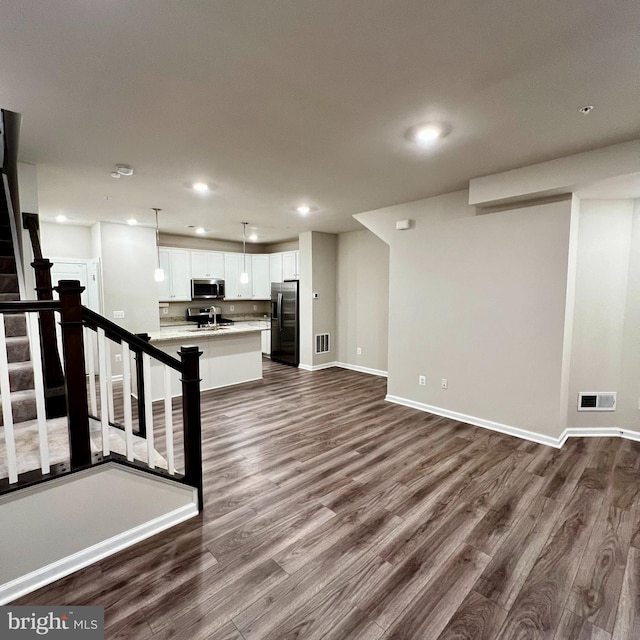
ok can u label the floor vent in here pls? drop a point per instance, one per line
(597, 401)
(323, 343)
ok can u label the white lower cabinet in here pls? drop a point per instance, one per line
(266, 342)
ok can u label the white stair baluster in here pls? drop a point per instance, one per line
(148, 409)
(103, 357)
(91, 370)
(111, 413)
(168, 419)
(126, 398)
(7, 413)
(38, 384)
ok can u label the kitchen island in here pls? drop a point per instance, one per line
(230, 355)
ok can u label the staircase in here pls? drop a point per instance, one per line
(23, 400)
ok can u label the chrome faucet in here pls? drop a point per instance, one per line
(212, 314)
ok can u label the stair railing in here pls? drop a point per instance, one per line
(91, 408)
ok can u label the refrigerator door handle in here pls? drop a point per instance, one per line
(280, 311)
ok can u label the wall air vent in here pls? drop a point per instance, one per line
(597, 401)
(323, 343)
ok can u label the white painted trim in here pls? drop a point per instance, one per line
(317, 367)
(355, 367)
(343, 365)
(479, 422)
(56, 570)
(117, 378)
(571, 432)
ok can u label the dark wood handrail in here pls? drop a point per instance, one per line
(116, 333)
(21, 306)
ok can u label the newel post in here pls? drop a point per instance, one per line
(76, 383)
(191, 421)
(52, 369)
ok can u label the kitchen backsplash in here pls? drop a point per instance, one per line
(176, 311)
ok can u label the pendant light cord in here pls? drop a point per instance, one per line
(157, 235)
(244, 247)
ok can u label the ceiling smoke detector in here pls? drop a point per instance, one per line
(124, 170)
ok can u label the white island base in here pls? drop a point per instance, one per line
(229, 356)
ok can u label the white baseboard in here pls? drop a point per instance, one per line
(478, 422)
(56, 570)
(343, 365)
(355, 367)
(317, 367)
(571, 432)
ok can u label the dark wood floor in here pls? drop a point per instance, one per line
(331, 514)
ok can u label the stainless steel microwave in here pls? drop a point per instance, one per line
(207, 288)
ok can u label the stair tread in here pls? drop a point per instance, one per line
(23, 394)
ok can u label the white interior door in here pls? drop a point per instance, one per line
(87, 272)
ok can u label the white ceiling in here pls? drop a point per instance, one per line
(279, 101)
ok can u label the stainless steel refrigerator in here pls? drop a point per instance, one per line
(284, 322)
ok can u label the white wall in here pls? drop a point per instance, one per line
(362, 300)
(481, 301)
(65, 241)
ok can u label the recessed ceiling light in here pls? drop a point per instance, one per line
(427, 134)
(253, 237)
(200, 230)
(132, 221)
(124, 169)
(201, 187)
(303, 209)
(586, 109)
(61, 218)
(115, 174)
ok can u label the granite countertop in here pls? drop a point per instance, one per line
(191, 332)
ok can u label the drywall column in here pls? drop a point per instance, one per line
(305, 267)
(479, 300)
(604, 306)
(317, 267)
(128, 256)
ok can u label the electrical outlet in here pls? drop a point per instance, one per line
(165, 311)
(255, 307)
(118, 314)
(444, 383)
(232, 307)
(422, 381)
(118, 357)
(359, 351)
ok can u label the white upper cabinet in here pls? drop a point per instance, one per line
(234, 265)
(261, 279)
(176, 286)
(180, 265)
(290, 265)
(275, 267)
(207, 264)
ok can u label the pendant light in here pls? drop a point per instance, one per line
(244, 276)
(158, 274)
